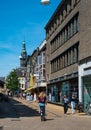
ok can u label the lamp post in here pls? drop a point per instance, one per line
(45, 2)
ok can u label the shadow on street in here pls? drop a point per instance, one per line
(1, 127)
(15, 109)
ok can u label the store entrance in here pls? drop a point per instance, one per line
(86, 92)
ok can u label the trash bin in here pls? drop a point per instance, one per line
(80, 107)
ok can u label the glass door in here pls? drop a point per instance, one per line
(86, 92)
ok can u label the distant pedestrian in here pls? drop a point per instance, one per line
(66, 101)
(24, 95)
(73, 104)
(35, 97)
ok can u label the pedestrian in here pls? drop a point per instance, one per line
(66, 101)
(42, 101)
(35, 98)
(73, 104)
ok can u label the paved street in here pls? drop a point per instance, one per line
(20, 114)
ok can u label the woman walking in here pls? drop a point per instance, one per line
(42, 103)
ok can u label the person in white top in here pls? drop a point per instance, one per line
(66, 101)
(35, 98)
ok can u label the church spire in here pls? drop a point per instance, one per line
(24, 52)
(23, 55)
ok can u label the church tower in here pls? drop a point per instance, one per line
(23, 55)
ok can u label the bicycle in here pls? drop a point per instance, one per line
(42, 113)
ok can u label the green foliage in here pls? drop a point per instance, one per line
(12, 81)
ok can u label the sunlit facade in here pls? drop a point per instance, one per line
(68, 62)
(62, 33)
(39, 71)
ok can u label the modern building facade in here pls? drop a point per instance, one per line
(35, 76)
(40, 68)
(37, 69)
(68, 55)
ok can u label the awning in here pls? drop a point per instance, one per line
(42, 84)
(28, 89)
(39, 85)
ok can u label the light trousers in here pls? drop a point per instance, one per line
(72, 107)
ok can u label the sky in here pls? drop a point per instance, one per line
(21, 20)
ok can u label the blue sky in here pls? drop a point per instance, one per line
(21, 20)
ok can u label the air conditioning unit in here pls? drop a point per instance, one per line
(45, 2)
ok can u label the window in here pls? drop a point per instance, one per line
(77, 28)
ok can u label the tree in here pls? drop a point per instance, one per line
(12, 81)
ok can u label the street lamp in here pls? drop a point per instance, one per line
(45, 2)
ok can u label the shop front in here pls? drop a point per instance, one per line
(56, 91)
(86, 92)
(85, 85)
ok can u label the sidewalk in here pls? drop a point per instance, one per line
(51, 108)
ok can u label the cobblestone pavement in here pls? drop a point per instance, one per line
(23, 115)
